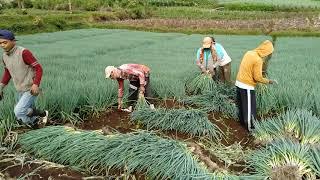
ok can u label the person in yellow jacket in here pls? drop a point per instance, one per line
(249, 74)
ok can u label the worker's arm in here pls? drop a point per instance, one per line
(30, 60)
(257, 73)
(142, 79)
(5, 78)
(198, 62)
(120, 92)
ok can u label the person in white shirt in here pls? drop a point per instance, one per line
(223, 61)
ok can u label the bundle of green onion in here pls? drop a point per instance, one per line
(140, 152)
(214, 101)
(191, 121)
(201, 83)
(299, 125)
(283, 159)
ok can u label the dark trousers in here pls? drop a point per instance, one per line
(134, 90)
(246, 101)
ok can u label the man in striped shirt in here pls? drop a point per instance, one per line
(21, 66)
(139, 81)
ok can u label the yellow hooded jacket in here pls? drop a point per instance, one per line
(250, 70)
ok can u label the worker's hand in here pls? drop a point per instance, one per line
(141, 95)
(119, 103)
(142, 89)
(35, 90)
(273, 81)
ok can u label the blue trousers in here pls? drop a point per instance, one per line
(25, 103)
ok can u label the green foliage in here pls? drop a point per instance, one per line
(220, 99)
(190, 121)
(7, 122)
(92, 5)
(137, 152)
(253, 7)
(190, 3)
(299, 125)
(171, 3)
(270, 5)
(297, 88)
(283, 159)
(315, 157)
(201, 83)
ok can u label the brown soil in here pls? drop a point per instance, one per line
(37, 171)
(265, 25)
(233, 130)
(13, 166)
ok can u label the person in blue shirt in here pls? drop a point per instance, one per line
(211, 56)
(206, 57)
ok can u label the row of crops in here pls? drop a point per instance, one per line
(249, 4)
(289, 3)
(74, 61)
(74, 86)
(229, 4)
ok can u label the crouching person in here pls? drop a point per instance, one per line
(139, 81)
(21, 66)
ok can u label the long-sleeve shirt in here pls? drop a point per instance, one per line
(222, 58)
(28, 59)
(207, 63)
(132, 72)
(250, 70)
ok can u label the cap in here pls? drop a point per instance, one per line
(108, 71)
(8, 35)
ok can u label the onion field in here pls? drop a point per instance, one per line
(74, 90)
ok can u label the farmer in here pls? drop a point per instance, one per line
(207, 57)
(250, 73)
(212, 55)
(26, 72)
(223, 61)
(139, 81)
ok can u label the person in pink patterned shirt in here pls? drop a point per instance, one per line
(139, 81)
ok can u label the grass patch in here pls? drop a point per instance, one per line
(224, 14)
